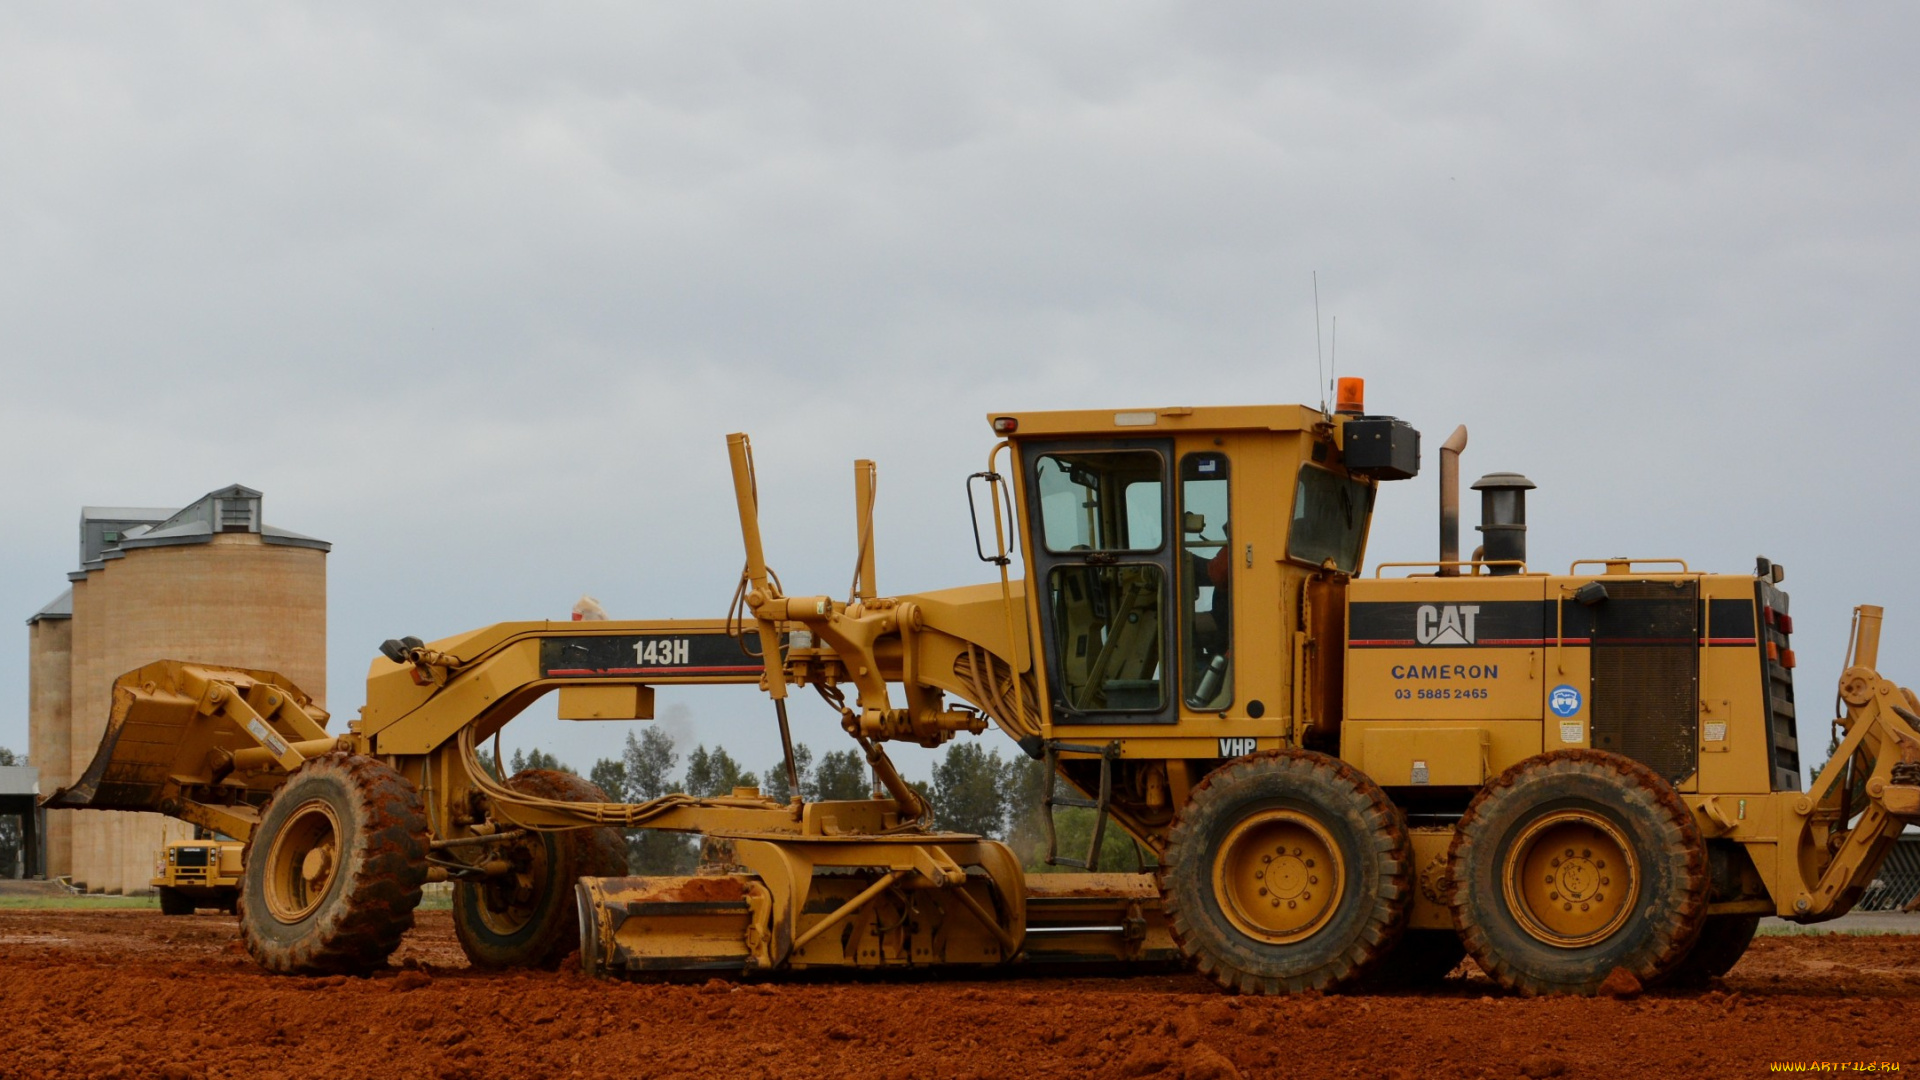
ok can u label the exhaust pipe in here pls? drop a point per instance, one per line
(1450, 500)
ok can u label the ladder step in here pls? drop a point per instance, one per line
(1076, 748)
(1073, 800)
(1062, 860)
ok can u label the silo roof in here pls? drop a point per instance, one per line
(60, 607)
(231, 509)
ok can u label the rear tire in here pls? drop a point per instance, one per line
(1572, 864)
(530, 918)
(334, 870)
(172, 903)
(1286, 871)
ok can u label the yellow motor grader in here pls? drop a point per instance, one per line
(1344, 776)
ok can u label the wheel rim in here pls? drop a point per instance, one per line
(509, 901)
(1571, 879)
(303, 861)
(1279, 876)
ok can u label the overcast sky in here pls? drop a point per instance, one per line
(475, 291)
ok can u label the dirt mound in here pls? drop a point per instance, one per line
(135, 994)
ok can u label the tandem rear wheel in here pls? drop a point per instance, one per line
(334, 869)
(1287, 871)
(1572, 864)
(528, 916)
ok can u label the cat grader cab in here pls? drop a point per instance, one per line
(1346, 775)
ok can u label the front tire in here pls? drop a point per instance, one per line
(1287, 871)
(529, 917)
(172, 903)
(1574, 863)
(334, 869)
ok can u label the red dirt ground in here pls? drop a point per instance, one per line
(124, 994)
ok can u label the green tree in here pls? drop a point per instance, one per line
(842, 774)
(538, 759)
(711, 773)
(968, 791)
(777, 787)
(610, 776)
(650, 761)
(645, 771)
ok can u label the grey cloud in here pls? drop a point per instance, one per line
(474, 291)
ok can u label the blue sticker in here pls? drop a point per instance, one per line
(1564, 701)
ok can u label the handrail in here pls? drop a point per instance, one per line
(1477, 564)
(1630, 563)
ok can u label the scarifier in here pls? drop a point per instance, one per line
(1344, 777)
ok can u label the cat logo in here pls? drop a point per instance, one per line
(1235, 747)
(1449, 624)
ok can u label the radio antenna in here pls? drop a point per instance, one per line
(1319, 358)
(1333, 357)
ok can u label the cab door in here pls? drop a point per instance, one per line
(1103, 571)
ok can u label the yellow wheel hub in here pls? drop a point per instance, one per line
(302, 862)
(510, 900)
(1571, 879)
(1279, 876)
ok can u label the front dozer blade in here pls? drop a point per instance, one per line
(164, 746)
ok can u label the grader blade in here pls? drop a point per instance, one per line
(182, 735)
(870, 920)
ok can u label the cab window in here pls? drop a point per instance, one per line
(1329, 518)
(1206, 578)
(1109, 644)
(1108, 500)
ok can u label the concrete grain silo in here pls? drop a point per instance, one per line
(209, 583)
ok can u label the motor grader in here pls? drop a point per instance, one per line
(1345, 777)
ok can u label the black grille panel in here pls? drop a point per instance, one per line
(190, 856)
(1778, 687)
(1646, 673)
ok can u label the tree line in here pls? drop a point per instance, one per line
(972, 789)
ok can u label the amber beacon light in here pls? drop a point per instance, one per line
(1351, 399)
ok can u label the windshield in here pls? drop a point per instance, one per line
(1329, 519)
(1106, 500)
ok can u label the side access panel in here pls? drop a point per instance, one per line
(1445, 678)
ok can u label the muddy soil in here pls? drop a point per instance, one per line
(123, 994)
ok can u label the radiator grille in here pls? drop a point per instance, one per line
(190, 856)
(1646, 671)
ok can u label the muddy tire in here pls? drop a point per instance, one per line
(1723, 941)
(1422, 958)
(1574, 863)
(172, 903)
(334, 870)
(529, 918)
(1286, 871)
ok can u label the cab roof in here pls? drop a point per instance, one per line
(1164, 419)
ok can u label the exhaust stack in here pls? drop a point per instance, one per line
(1450, 500)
